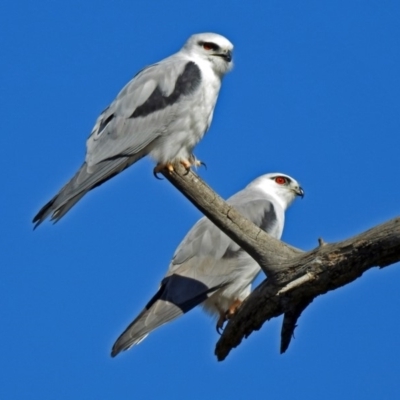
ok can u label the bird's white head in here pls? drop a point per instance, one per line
(283, 187)
(211, 47)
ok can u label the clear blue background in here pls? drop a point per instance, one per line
(315, 93)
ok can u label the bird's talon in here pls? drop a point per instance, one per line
(197, 163)
(186, 164)
(155, 173)
(160, 167)
(220, 323)
(232, 310)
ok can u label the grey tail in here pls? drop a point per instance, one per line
(176, 296)
(84, 180)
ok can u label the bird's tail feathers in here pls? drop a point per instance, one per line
(158, 314)
(176, 296)
(86, 179)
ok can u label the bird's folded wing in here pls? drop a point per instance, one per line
(143, 110)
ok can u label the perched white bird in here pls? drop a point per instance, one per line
(209, 268)
(163, 112)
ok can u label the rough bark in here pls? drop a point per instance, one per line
(296, 277)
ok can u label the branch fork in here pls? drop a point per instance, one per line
(295, 278)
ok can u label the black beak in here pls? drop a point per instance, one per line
(226, 56)
(300, 192)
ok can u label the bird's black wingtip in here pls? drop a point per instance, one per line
(114, 351)
(43, 213)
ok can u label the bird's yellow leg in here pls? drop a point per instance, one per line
(233, 308)
(186, 164)
(160, 167)
(228, 314)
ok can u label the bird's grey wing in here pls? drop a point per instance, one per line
(128, 128)
(189, 282)
(176, 296)
(205, 240)
(142, 110)
(202, 264)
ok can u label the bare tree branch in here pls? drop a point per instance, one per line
(295, 278)
(332, 265)
(269, 252)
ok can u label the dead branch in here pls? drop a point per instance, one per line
(295, 277)
(269, 252)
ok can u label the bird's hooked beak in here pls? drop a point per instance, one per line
(299, 191)
(226, 55)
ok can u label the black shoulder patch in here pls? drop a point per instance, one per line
(269, 219)
(186, 84)
(104, 123)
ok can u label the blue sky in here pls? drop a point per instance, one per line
(315, 93)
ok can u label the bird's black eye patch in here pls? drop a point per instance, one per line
(209, 46)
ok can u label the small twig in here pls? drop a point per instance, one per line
(289, 323)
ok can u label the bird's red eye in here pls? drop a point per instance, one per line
(209, 46)
(280, 180)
